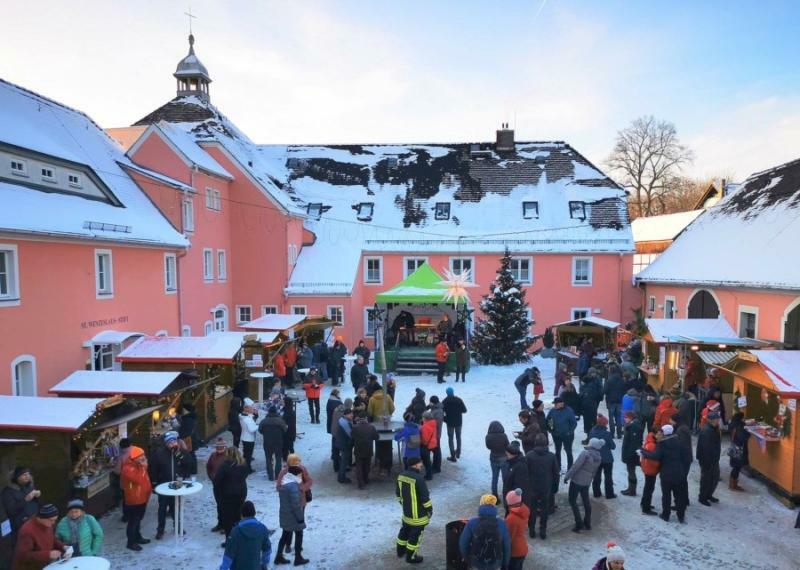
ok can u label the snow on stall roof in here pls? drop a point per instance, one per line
(33, 122)
(745, 240)
(276, 322)
(663, 329)
(662, 228)
(45, 413)
(783, 368)
(111, 337)
(264, 337)
(593, 320)
(115, 382)
(182, 349)
(188, 146)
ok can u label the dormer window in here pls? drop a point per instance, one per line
(364, 211)
(75, 181)
(48, 174)
(442, 211)
(314, 210)
(18, 167)
(577, 210)
(530, 210)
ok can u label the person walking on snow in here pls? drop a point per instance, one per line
(136, 490)
(675, 460)
(614, 390)
(613, 560)
(442, 354)
(530, 429)
(429, 445)
(591, 394)
(521, 383)
(364, 437)
(579, 477)
(738, 452)
(485, 543)
(462, 360)
(650, 469)
(359, 373)
(362, 351)
(543, 476)
(516, 522)
(272, 428)
(496, 442)
(516, 474)
(313, 388)
(631, 443)
(344, 443)
(292, 516)
(413, 496)
(709, 451)
(247, 419)
(606, 471)
(562, 423)
(454, 410)
(249, 547)
(231, 479)
(411, 438)
(417, 406)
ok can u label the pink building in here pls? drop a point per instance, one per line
(87, 262)
(737, 260)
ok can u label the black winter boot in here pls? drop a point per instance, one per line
(401, 551)
(413, 558)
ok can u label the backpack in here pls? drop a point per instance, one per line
(413, 441)
(486, 549)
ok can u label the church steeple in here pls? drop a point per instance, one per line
(192, 75)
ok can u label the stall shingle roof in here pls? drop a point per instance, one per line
(46, 413)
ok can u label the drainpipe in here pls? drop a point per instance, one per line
(619, 277)
(180, 256)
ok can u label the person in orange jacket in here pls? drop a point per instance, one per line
(429, 443)
(442, 354)
(313, 386)
(290, 359)
(136, 490)
(517, 524)
(650, 468)
(279, 367)
(664, 412)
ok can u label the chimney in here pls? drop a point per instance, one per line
(505, 139)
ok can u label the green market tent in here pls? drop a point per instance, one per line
(422, 286)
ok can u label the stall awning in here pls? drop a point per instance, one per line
(109, 383)
(264, 337)
(720, 358)
(277, 322)
(127, 417)
(45, 413)
(422, 286)
(111, 337)
(783, 368)
(591, 321)
(185, 349)
(697, 331)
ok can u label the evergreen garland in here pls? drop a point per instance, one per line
(502, 334)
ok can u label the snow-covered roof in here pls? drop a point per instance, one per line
(115, 382)
(662, 228)
(746, 240)
(666, 330)
(264, 337)
(45, 413)
(605, 323)
(39, 125)
(191, 151)
(782, 367)
(206, 349)
(111, 337)
(277, 322)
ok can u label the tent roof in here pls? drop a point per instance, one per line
(422, 286)
(782, 367)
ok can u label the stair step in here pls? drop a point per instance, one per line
(414, 371)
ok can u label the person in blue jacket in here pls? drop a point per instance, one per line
(248, 547)
(605, 473)
(485, 543)
(410, 437)
(561, 422)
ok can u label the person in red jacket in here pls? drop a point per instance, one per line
(711, 406)
(664, 412)
(517, 524)
(313, 387)
(37, 545)
(429, 443)
(137, 489)
(442, 354)
(279, 368)
(650, 468)
(290, 358)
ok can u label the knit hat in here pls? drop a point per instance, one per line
(427, 415)
(248, 509)
(170, 436)
(602, 420)
(615, 553)
(76, 504)
(19, 471)
(136, 452)
(596, 443)
(666, 429)
(557, 400)
(293, 459)
(47, 511)
(536, 404)
(488, 499)
(248, 402)
(513, 448)
(450, 391)
(414, 461)
(714, 416)
(514, 497)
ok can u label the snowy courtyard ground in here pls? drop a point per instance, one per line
(348, 528)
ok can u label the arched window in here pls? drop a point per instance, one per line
(703, 305)
(220, 318)
(23, 375)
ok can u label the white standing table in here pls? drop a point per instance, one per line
(348, 364)
(260, 376)
(179, 494)
(81, 563)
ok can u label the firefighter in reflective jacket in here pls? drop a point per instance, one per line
(412, 492)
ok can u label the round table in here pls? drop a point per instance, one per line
(81, 563)
(260, 376)
(296, 394)
(179, 494)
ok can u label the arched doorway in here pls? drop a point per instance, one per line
(703, 306)
(220, 318)
(791, 328)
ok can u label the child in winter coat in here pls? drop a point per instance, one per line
(429, 444)
(650, 468)
(613, 560)
(517, 523)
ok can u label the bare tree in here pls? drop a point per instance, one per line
(648, 158)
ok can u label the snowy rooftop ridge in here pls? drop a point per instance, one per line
(662, 228)
(745, 240)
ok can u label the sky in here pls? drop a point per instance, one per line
(726, 73)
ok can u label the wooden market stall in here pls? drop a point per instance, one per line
(767, 386)
(215, 361)
(669, 346)
(77, 442)
(258, 349)
(8, 462)
(570, 335)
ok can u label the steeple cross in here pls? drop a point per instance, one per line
(191, 17)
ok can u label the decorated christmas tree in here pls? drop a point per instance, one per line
(502, 335)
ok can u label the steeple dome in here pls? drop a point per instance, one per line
(192, 75)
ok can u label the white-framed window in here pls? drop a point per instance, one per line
(522, 269)
(748, 321)
(411, 264)
(314, 210)
(530, 210)
(186, 330)
(208, 264)
(170, 273)
(529, 316)
(582, 271)
(373, 270)
(244, 314)
(669, 307)
(213, 200)
(580, 313)
(48, 174)
(442, 211)
(364, 210)
(651, 304)
(188, 215)
(299, 309)
(369, 324)
(9, 275)
(463, 265)
(269, 310)
(208, 328)
(222, 265)
(19, 167)
(104, 274)
(103, 357)
(577, 210)
(23, 375)
(220, 318)
(75, 180)
(292, 253)
(336, 314)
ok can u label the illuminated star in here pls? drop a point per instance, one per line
(457, 284)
